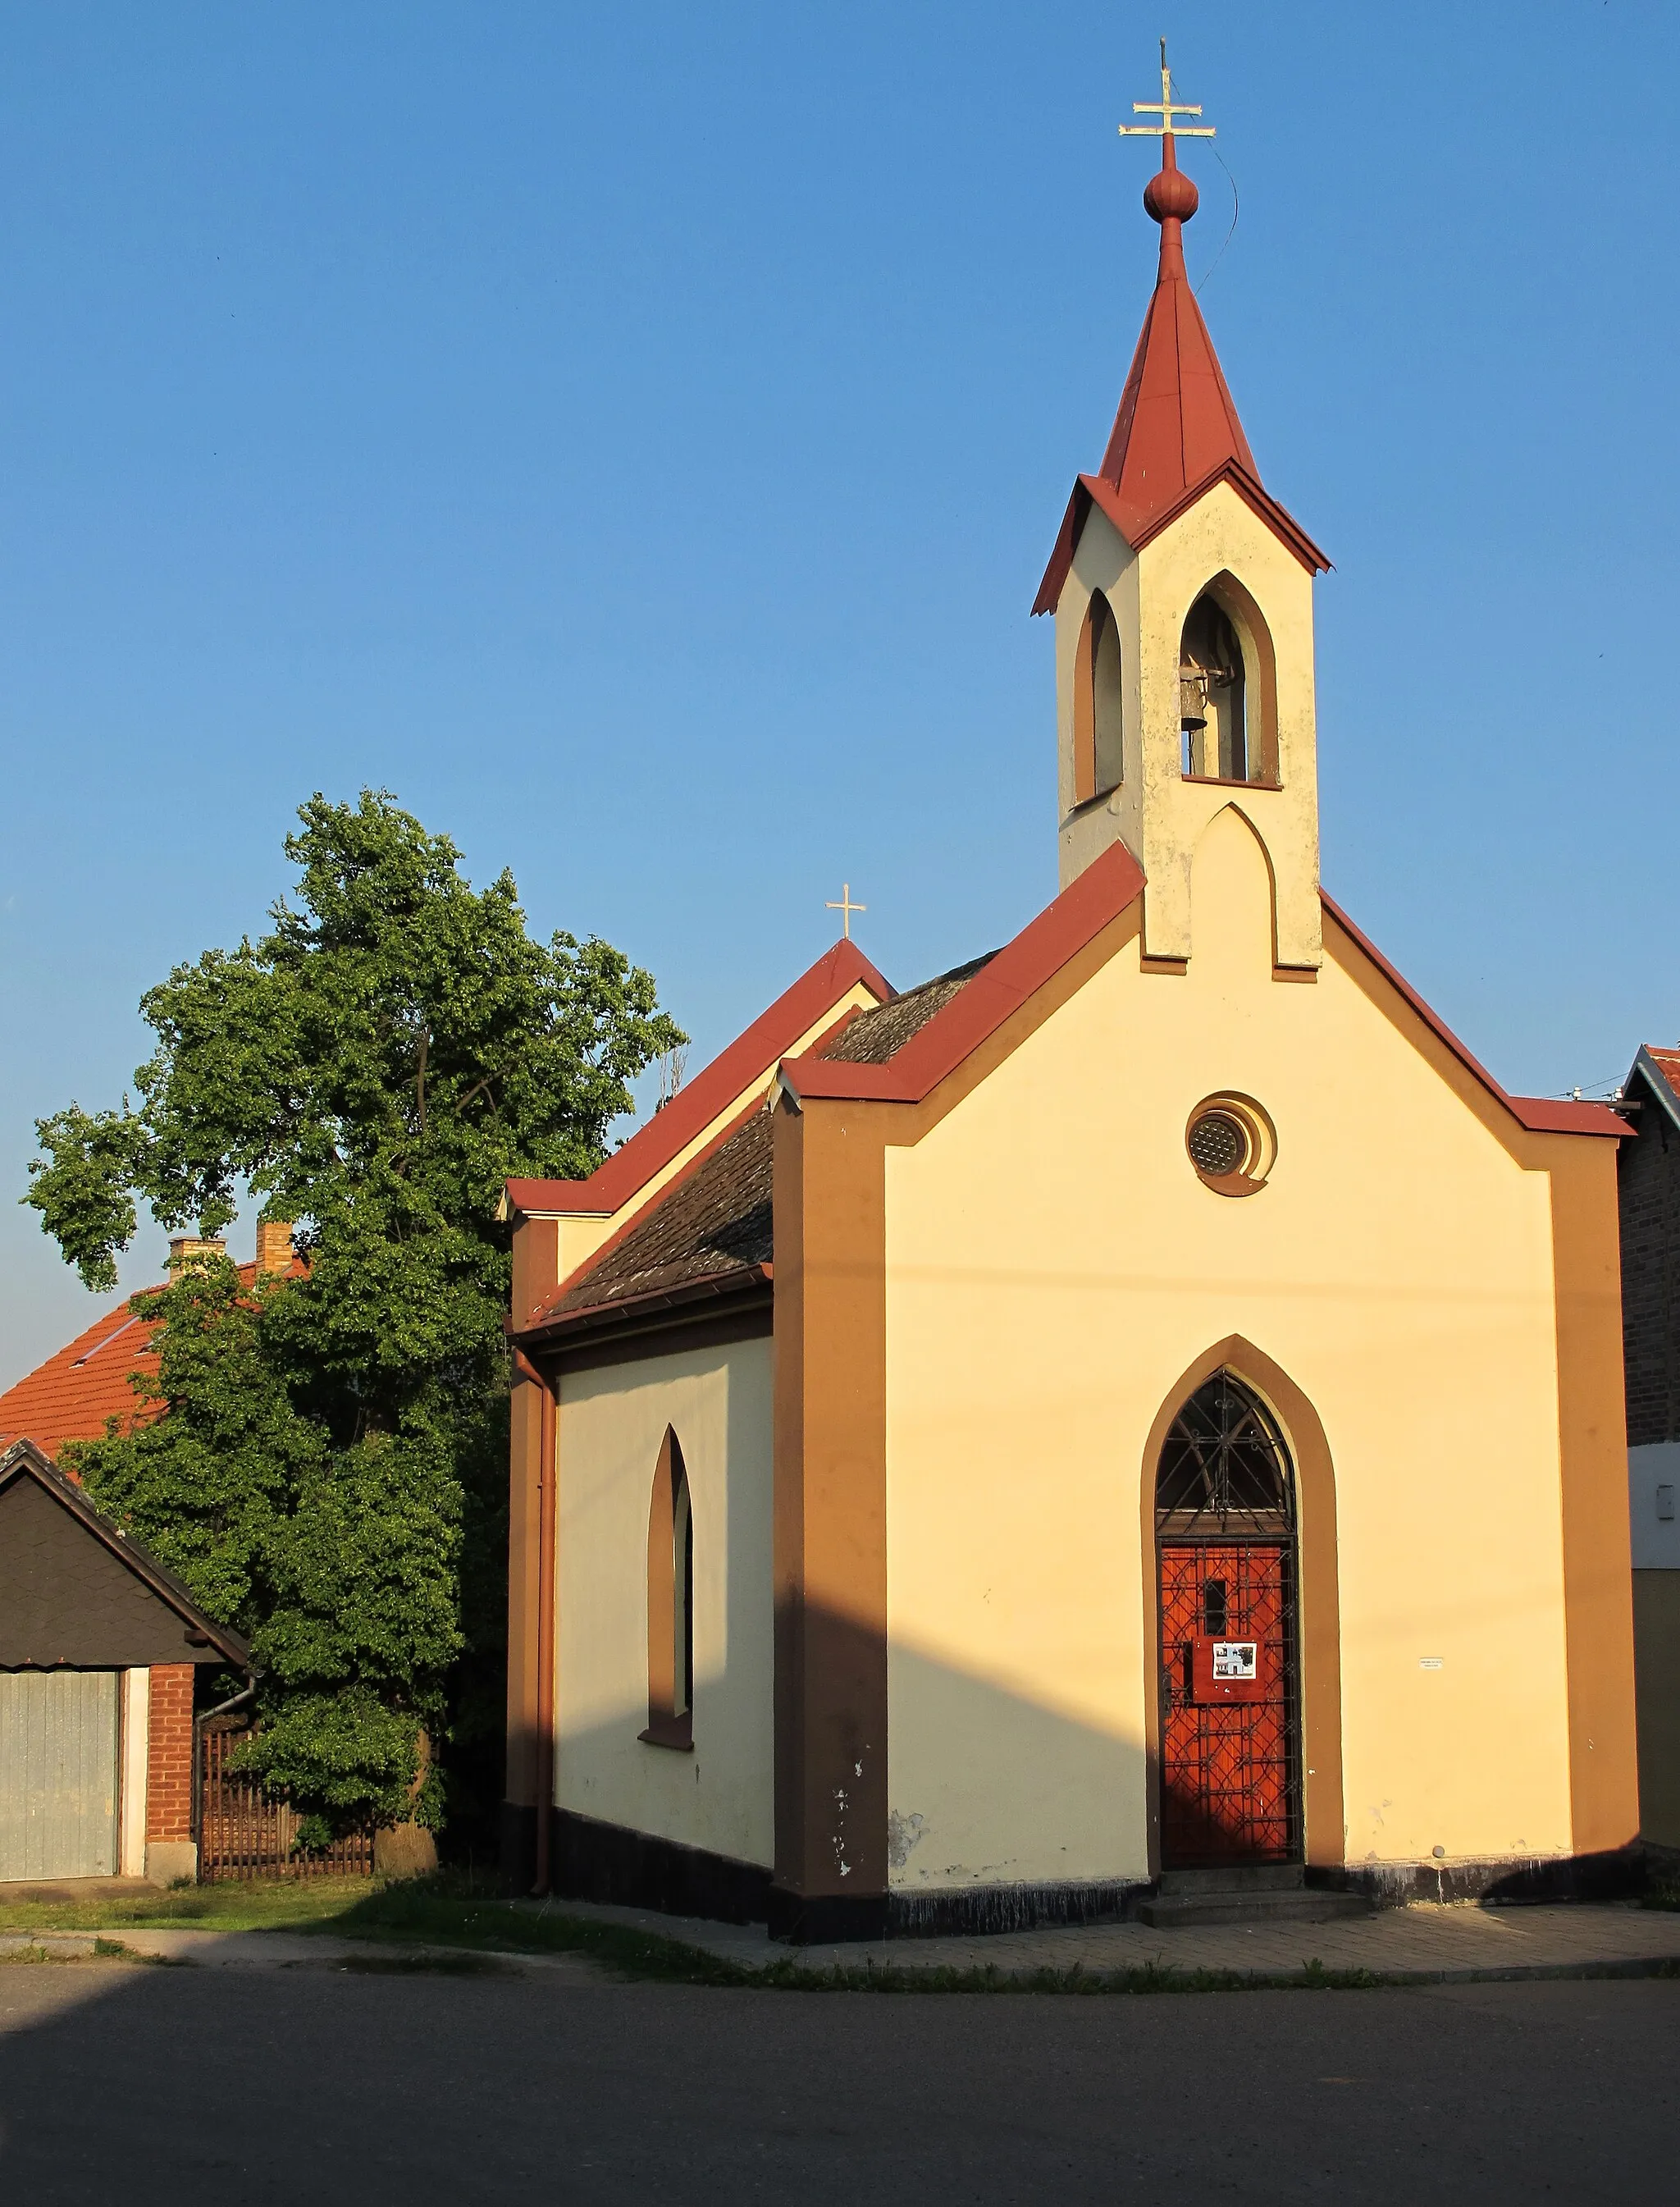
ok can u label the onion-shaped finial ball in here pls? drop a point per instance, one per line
(1171, 196)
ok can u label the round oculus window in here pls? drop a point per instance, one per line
(1232, 1143)
(1218, 1144)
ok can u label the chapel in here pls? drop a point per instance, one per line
(1145, 1406)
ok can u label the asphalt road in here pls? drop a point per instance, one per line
(166, 2084)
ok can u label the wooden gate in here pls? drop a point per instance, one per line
(1229, 1784)
(244, 1831)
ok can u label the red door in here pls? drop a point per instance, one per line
(1228, 1776)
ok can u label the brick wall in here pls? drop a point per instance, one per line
(1648, 1176)
(169, 1754)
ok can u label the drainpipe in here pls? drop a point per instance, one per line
(225, 1709)
(547, 1480)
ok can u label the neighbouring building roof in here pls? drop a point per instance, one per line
(75, 1588)
(1661, 1070)
(74, 1395)
(1177, 433)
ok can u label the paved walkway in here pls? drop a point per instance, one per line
(285, 1950)
(1425, 1943)
(1420, 1945)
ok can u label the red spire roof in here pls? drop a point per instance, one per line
(1177, 424)
(1177, 432)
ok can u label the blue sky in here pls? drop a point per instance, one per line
(634, 436)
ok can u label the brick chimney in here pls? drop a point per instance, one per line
(188, 1253)
(274, 1249)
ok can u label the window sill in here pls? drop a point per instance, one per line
(1227, 781)
(677, 1733)
(1090, 803)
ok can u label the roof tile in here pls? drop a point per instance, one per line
(76, 1394)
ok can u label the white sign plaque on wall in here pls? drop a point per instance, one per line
(1236, 1659)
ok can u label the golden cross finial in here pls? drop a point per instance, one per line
(845, 907)
(1166, 107)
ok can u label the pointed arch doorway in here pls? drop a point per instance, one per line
(1229, 1634)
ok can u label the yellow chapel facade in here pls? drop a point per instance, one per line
(1145, 1405)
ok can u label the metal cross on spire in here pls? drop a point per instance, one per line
(1166, 107)
(845, 907)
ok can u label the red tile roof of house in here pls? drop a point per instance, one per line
(74, 1395)
(1667, 1063)
(1176, 433)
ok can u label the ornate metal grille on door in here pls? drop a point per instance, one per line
(1225, 1530)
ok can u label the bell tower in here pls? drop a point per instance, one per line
(1182, 593)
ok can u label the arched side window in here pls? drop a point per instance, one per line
(1225, 1469)
(1097, 755)
(670, 1602)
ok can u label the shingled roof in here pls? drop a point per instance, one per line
(711, 1222)
(711, 1226)
(876, 1038)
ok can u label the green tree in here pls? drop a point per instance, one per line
(329, 1474)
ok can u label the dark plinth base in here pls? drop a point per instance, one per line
(821, 1919)
(517, 1851)
(591, 1861)
(985, 1911)
(1616, 1875)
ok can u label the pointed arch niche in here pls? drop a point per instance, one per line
(670, 1602)
(1098, 756)
(1228, 688)
(1299, 1425)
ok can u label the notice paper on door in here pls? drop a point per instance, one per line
(1236, 1659)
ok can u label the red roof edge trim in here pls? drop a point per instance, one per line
(1253, 494)
(1137, 529)
(1540, 1115)
(692, 1108)
(570, 1196)
(1067, 544)
(1106, 887)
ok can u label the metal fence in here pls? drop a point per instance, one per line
(244, 1831)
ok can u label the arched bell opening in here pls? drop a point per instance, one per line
(1228, 688)
(1098, 758)
(1212, 695)
(1229, 1634)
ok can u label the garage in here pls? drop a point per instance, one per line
(58, 1774)
(99, 1648)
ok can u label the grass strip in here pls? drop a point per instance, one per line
(271, 1904)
